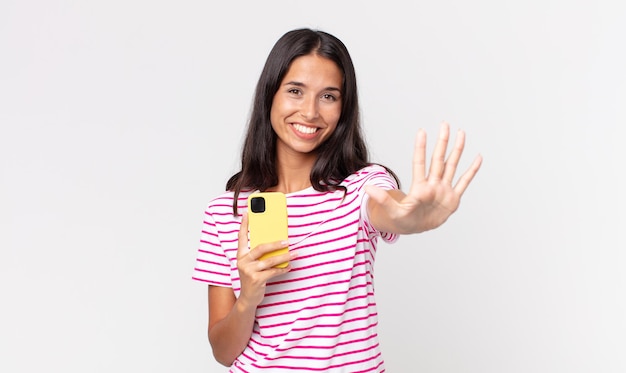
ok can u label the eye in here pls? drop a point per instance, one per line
(329, 97)
(295, 91)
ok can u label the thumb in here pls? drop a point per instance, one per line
(243, 236)
(379, 195)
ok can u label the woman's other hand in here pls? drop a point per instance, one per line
(432, 197)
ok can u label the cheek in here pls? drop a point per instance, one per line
(281, 108)
(275, 112)
(332, 117)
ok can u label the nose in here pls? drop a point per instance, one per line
(310, 108)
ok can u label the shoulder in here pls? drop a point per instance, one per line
(223, 203)
(372, 174)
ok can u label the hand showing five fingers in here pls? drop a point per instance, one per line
(253, 272)
(432, 197)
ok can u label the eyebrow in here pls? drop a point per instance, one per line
(300, 84)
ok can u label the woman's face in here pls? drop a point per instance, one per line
(307, 105)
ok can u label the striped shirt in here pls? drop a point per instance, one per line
(321, 316)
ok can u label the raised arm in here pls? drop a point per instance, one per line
(432, 197)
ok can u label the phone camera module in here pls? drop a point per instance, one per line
(257, 204)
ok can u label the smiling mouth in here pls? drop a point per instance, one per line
(304, 129)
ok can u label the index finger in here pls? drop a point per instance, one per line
(419, 157)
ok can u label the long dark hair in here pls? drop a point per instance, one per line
(342, 154)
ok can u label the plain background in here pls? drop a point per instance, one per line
(121, 119)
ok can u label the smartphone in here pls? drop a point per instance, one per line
(267, 221)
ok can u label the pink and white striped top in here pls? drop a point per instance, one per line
(321, 316)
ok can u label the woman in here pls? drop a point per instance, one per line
(304, 139)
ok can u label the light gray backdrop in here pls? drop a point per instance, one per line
(121, 119)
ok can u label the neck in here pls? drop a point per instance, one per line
(294, 172)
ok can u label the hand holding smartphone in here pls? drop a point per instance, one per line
(267, 221)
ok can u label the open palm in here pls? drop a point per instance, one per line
(432, 197)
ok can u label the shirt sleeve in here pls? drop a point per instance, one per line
(378, 176)
(212, 264)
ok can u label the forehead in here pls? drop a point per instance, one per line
(311, 69)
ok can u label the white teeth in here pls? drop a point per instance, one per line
(304, 129)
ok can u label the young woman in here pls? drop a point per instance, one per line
(304, 139)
